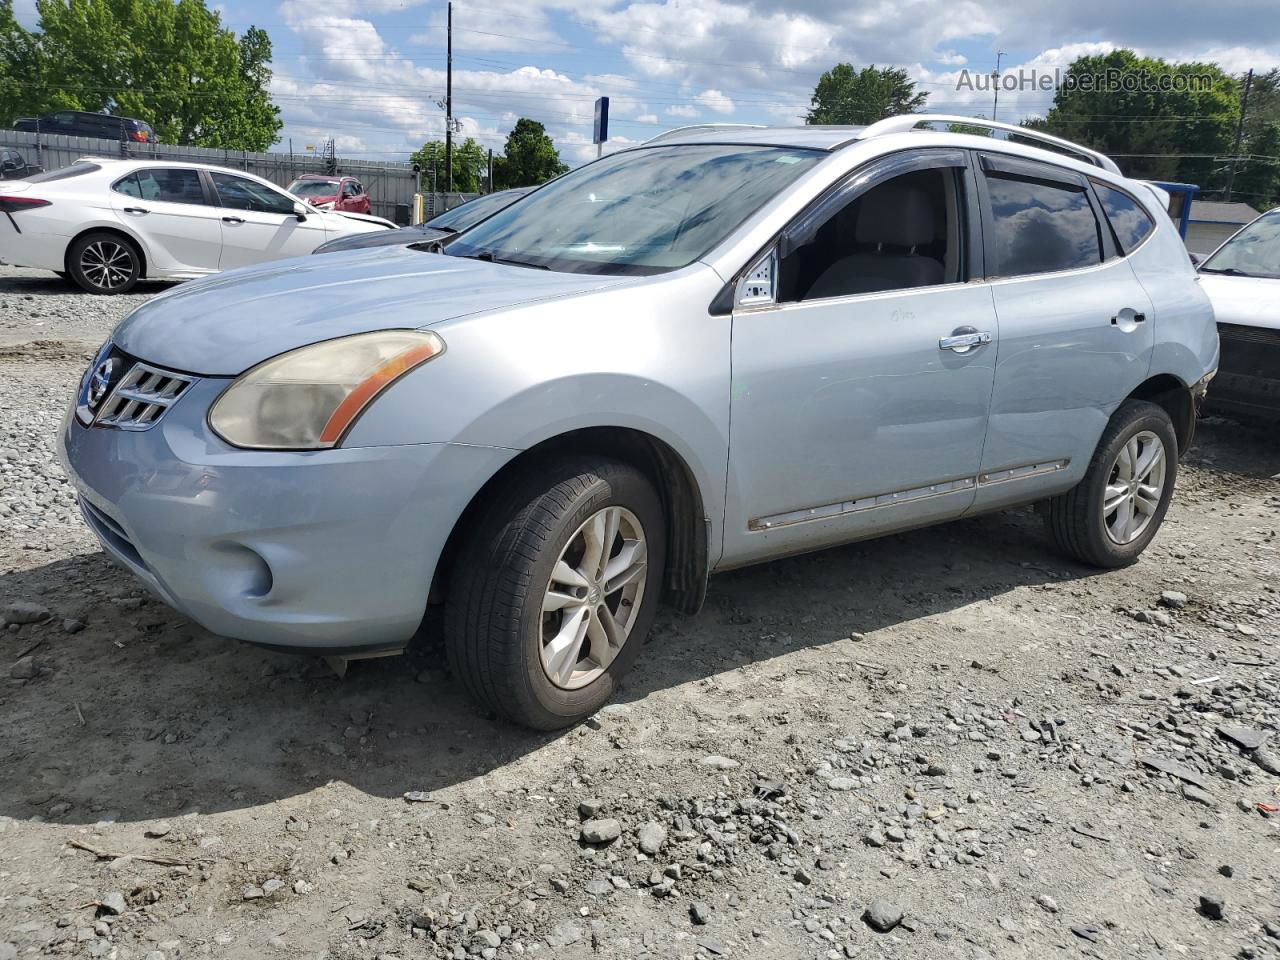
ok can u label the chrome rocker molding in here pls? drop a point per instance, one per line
(827, 511)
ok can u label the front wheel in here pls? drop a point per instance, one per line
(104, 263)
(1108, 519)
(556, 589)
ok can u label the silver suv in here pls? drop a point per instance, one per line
(726, 345)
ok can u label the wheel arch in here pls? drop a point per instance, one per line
(117, 231)
(1168, 391)
(688, 528)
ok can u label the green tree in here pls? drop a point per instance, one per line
(529, 158)
(19, 65)
(1257, 180)
(168, 62)
(846, 95)
(470, 165)
(1155, 132)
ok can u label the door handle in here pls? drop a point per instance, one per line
(138, 211)
(233, 220)
(1137, 318)
(1127, 319)
(964, 342)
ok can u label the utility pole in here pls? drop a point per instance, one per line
(995, 85)
(490, 190)
(1244, 108)
(448, 106)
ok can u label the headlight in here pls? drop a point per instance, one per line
(307, 398)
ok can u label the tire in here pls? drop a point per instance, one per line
(496, 630)
(104, 263)
(1076, 519)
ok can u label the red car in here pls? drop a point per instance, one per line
(338, 193)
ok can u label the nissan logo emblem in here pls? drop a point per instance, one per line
(99, 381)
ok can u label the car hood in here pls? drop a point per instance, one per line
(222, 325)
(1248, 301)
(364, 219)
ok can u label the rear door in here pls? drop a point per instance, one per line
(259, 223)
(1076, 327)
(169, 209)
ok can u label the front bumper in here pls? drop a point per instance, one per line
(322, 551)
(1248, 380)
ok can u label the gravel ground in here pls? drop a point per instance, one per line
(953, 743)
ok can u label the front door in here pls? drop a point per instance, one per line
(861, 389)
(259, 223)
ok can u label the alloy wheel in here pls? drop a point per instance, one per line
(593, 597)
(107, 265)
(1135, 486)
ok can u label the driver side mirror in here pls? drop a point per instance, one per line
(300, 210)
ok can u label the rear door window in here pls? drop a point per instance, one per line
(1041, 221)
(169, 185)
(1130, 222)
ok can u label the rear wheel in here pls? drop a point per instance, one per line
(1108, 519)
(556, 589)
(104, 263)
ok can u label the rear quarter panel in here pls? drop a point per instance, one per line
(1186, 337)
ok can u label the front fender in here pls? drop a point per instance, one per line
(647, 357)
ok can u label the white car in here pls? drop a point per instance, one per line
(1242, 279)
(106, 224)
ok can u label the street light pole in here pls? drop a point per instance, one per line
(448, 106)
(995, 85)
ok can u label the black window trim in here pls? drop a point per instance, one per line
(1005, 167)
(1121, 253)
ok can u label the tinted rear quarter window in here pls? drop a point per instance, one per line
(1040, 227)
(1131, 223)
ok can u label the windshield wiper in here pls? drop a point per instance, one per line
(1226, 271)
(488, 257)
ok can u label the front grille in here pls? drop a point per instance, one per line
(125, 393)
(141, 397)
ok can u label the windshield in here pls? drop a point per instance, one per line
(640, 212)
(313, 189)
(473, 211)
(1253, 252)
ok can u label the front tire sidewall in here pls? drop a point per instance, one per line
(493, 617)
(1156, 421)
(566, 706)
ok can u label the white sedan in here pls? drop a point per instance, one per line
(106, 224)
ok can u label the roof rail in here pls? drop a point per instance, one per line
(909, 121)
(690, 128)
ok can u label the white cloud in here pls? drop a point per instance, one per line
(715, 100)
(681, 110)
(647, 118)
